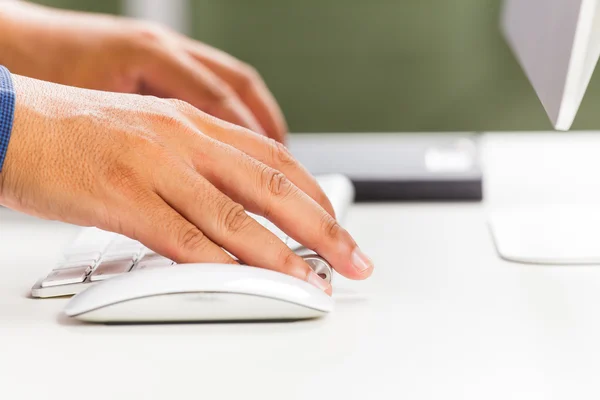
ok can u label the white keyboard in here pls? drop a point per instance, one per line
(96, 255)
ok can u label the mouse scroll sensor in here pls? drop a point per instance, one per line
(319, 265)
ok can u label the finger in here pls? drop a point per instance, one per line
(162, 229)
(267, 151)
(172, 74)
(268, 192)
(228, 225)
(247, 83)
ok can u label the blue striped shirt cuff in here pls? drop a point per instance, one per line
(7, 111)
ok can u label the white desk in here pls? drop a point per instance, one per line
(442, 317)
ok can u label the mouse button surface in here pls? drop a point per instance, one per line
(144, 283)
(190, 278)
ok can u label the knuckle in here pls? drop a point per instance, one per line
(276, 183)
(180, 114)
(175, 116)
(220, 97)
(191, 239)
(330, 227)
(233, 217)
(141, 33)
(171, 121)
(179, 106)
(280, 155)
(143, 39)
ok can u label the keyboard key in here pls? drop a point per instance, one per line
(153, 260)
(120, 255)
(90, 240)
(109, 269)
(122, 247)
(67, 276)
(90, 259)
(122, 240)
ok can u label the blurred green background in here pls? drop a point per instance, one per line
(377, 65)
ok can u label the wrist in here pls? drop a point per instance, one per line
(26, 144)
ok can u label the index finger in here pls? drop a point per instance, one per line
(178, 75)
(267, 151)
(268, 192)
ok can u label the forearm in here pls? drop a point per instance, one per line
(21, 47)
(31, 37)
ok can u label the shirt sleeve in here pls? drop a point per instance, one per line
(7, 111)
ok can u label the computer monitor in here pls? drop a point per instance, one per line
(557, 43)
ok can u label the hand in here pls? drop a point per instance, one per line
(122, 55)
(166, 174)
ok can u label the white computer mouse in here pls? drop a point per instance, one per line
(199, 292)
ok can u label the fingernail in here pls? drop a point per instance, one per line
(360, 261)
(317, 281)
